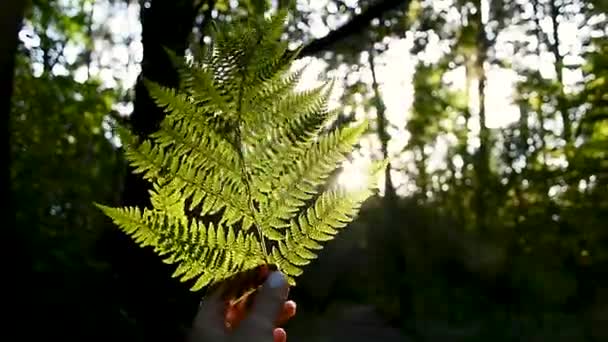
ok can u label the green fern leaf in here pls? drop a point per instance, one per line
(205, 252)
(239, 143)
(321, 222)
(311, 170)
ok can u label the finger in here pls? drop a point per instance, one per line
(238, 294)
(279, 335)
(235, 314)
(245, 283)
(289, 310)
(267, 304)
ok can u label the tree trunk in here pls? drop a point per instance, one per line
(389, 237)
(389, 189)
(540, 115)
(482, 159)
(559, 65)
(11, 14)
(160, 305)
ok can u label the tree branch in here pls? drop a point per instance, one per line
(358, 24)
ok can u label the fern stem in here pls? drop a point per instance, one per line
(244, 170)
(254, 212)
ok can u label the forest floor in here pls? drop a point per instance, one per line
(362, 323)
(345, 322)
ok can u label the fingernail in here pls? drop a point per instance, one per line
(276, 280)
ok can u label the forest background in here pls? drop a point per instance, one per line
(491, 220)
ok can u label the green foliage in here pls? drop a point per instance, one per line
(61, 159)
(239, 142)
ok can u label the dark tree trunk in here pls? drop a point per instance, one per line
(160, 306)
(11, 13)
(390, 235)
(166, 24)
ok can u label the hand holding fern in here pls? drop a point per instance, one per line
(253, 319)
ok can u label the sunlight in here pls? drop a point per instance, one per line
(395, 70)
(354, 175)
(500, 88)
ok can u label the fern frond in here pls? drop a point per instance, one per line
(204, 151)
(208, 253)
(182, 66)
(242, 147)
(196, 183)
(264, 97)
(274, 146)
(272, 56)
(319, 223)
(175, 103)
(205, 90)
(288, 112)
(202, 110)
(298, 184)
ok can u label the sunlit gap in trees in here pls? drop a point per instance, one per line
(116, 62)
(395, 70)
(354, 176)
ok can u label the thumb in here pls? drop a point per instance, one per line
(267, 305)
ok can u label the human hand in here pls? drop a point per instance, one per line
(253, 318)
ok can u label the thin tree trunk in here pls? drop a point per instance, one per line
(540, 115)
(389, 260)
(545, 183)
(559, 65)
(482, 158)
(482, 168)
(389, 189)
(11, 13)
(422, 179)
(89, 50)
